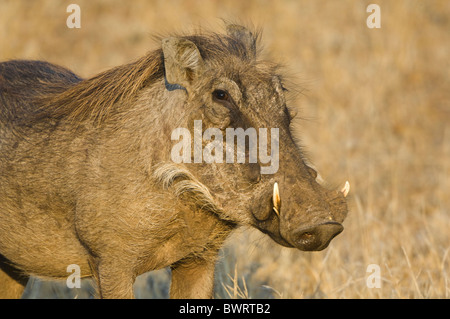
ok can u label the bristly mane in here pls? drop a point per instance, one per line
(94, 99)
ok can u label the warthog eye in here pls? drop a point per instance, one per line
(221, 95)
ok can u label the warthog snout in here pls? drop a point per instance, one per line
(318, 235)
(315, 237)
(308, 224)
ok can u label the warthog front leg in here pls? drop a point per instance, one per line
(193, 279)
(114, 281)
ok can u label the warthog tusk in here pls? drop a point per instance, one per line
(276, 211)
(276, 199)
(345, 189)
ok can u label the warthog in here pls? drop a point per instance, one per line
(86, 175)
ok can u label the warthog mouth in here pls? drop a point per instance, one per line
(307, 238)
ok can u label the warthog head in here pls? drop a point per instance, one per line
(224, 86)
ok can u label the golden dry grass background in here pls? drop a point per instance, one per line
(374, 110)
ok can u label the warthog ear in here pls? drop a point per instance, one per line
(243, 35)
(182, 61)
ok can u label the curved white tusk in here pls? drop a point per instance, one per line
(276, 211)
(276, 199)
(345, 189)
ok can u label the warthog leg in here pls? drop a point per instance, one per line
(113, 280)
(193, 279)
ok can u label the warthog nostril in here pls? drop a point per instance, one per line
(306, 236)
(316, 237)
(306, 240)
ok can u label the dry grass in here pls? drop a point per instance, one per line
(375, 110)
